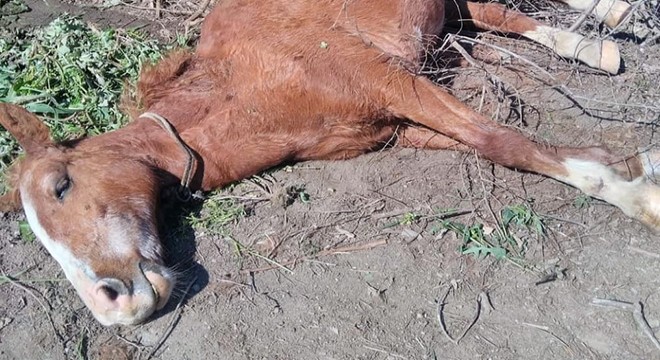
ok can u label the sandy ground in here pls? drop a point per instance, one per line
(364, 287)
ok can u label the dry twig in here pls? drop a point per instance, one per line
(160, 10)
(441, 318)
(584, 16)
(44, 305)
(334, 251)
(192, 20)
(637, 310)
(173, 321)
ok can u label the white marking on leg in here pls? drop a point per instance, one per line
(599, 54)
(638, 198)
(78, 274)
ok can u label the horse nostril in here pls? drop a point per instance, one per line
(109, 292)
(111, 289)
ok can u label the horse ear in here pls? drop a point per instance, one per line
(30, 132)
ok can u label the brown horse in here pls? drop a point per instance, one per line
(274, 81)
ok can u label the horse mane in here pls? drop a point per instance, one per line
(155, 82)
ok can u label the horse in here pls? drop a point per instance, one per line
(284, 81)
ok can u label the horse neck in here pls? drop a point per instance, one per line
(144, 140)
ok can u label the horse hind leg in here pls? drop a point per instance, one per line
(625, 183)
(424, 138)
(599, 54)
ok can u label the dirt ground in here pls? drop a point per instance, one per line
(363, 287)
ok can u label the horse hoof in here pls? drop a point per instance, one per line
(651, 163)
(615, 13)
(610, 59)
(650, 210)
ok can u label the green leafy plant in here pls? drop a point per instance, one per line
(409, 218)
(582, 201)
(217, 212)
(11, 8)
(26, 232)
(71, 74)
(475, 241)
(522, 216)
(501, 242)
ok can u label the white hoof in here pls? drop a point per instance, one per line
(648, 211)
(599, 54)
(651, 163)
(610, 58)
(612, 12)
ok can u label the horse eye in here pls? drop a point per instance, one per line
(61, 187)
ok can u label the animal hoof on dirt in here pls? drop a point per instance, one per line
(598, 54)
(610, 59)
(615, 13)
(651, 163)
(650, 211)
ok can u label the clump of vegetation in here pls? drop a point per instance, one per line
(26, 232)
(11, 8)
(71, 74)
(217, 212)
(503, 242)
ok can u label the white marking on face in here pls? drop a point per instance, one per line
(74, 269)
(118, 238)
(127, 310)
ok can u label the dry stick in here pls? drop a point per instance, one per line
(461, 50)
(547, 331)
(123, 3)
(441, 318)
(173, 320)
(454, 43)
(198, 12)
(474, 320)
(638, 314)
(508, 52)
(563, 89)
(584, 16)
(45, 308)
(340, 250)
(651, 40)
(644, 252)
(193, 20)
(129, 342)
(158, 9)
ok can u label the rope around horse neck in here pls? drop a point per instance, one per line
(191, 164)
